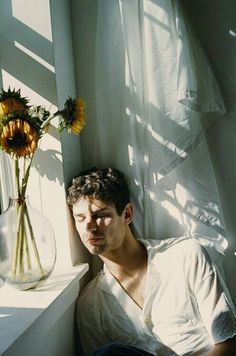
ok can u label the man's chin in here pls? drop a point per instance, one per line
(96, 250)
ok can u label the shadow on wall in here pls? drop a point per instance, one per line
(28, 54)
(27, 63)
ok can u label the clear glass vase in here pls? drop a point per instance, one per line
(27, 245)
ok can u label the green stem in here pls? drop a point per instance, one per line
(33, 241)
(23, 173)
(26, 178)
(15, 260)
(21, 243)
(26, 244)
(24, 254)
(21, 248)
(47, 121)
(17, 175)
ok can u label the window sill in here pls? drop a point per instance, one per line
(24, 315)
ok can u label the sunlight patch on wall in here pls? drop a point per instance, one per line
(35, 57)
(10, 81)
(4, 315)
(34, 14)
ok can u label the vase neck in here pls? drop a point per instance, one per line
(16, 201)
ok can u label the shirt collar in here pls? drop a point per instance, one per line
(109, 284)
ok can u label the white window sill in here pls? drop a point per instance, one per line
(24, 315)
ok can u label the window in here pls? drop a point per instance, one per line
(33, 61)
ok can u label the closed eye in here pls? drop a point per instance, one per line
(79, 218)
(101, 216)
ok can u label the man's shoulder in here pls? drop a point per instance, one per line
(176, 252)
(187, 244)
(172, 245)
(186, 249)
(188, 255)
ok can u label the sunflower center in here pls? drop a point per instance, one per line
(18, 140)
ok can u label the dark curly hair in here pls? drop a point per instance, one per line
(106, 184)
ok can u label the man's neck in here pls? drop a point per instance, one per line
(129, 267)
(128, 260)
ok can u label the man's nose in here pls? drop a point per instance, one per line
(91, 224)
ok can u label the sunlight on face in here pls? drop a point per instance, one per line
(100, 228)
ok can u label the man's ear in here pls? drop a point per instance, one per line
(128, 213)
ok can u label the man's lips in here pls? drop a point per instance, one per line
(94, 239)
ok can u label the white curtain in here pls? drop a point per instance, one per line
(155, 96)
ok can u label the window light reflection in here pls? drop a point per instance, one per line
(131, 155)
(35, 15)
(4, 315)
(35, 57)
(170, 145)
(172, 210)
(11, 81)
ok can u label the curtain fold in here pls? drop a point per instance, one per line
(155, 97)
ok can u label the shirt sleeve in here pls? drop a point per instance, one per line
(214, 304)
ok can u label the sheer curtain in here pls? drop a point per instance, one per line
(155, 97)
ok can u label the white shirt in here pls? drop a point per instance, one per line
(185, 308)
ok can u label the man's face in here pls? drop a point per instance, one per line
(100, 228)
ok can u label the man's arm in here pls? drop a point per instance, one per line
(215, 306)
(226, 348)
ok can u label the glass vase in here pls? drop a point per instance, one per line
(27, 245)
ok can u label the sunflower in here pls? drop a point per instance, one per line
(11, 101)
(19, 137)
(79, 120)
(73, 116)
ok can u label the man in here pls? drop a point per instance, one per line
(153, 297)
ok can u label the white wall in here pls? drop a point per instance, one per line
(83, 21)
(83, 16)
